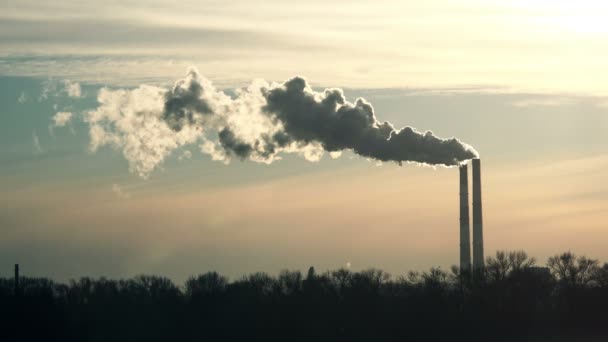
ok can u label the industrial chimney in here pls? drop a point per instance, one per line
(478, 259)
(465, 242)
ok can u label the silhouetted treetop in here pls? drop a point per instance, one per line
(514, 300)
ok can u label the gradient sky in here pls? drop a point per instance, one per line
(523, 83)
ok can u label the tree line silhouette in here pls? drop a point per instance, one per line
(513, 299)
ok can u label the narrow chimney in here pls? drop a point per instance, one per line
(465, 235)
(16, 280)
(478, 259)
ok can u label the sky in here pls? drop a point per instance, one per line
(93, 183)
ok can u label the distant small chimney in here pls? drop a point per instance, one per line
(478, 259)
(16, 280)
(465, 235)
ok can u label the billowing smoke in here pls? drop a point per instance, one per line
(258, 123)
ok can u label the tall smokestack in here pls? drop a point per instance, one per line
(465, 242)
(478, 259)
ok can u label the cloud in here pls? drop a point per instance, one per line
(258, 123)
(60, 119)
(544, 102)
(132, 121)
(47, 88)
(120, 192)
(36, 142)
(329, 119)
(188, 99)
(185, 155)
(133, 42)
(335, 154)
(72, 88)
(22, 98)
(57, 88)
(602, 104)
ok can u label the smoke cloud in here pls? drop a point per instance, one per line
(60, 119)
(258, 123)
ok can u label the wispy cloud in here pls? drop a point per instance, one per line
(185, 155)
(60, 119)
(366, 43)
(120, 192)
(603, 103)
(56, 88)
(36, 142)
(558, 100)
(544, 102)
(22, 98)
(72, 88)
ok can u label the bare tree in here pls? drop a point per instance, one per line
(519, 260)
(435, 278)
(289, 282)
(497, 267)
(501, 266)
(210, 283)
(573, 271)
(341, 279)
(602, 276)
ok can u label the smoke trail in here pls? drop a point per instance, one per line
(259, 123)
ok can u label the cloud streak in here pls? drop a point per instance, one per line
(36, 142)
(258, 123)
(120, 192)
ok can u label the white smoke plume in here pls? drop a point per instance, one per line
(60, 119)
(258, 123)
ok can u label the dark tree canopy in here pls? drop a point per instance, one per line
(514, 301)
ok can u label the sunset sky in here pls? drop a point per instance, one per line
(523, 82)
